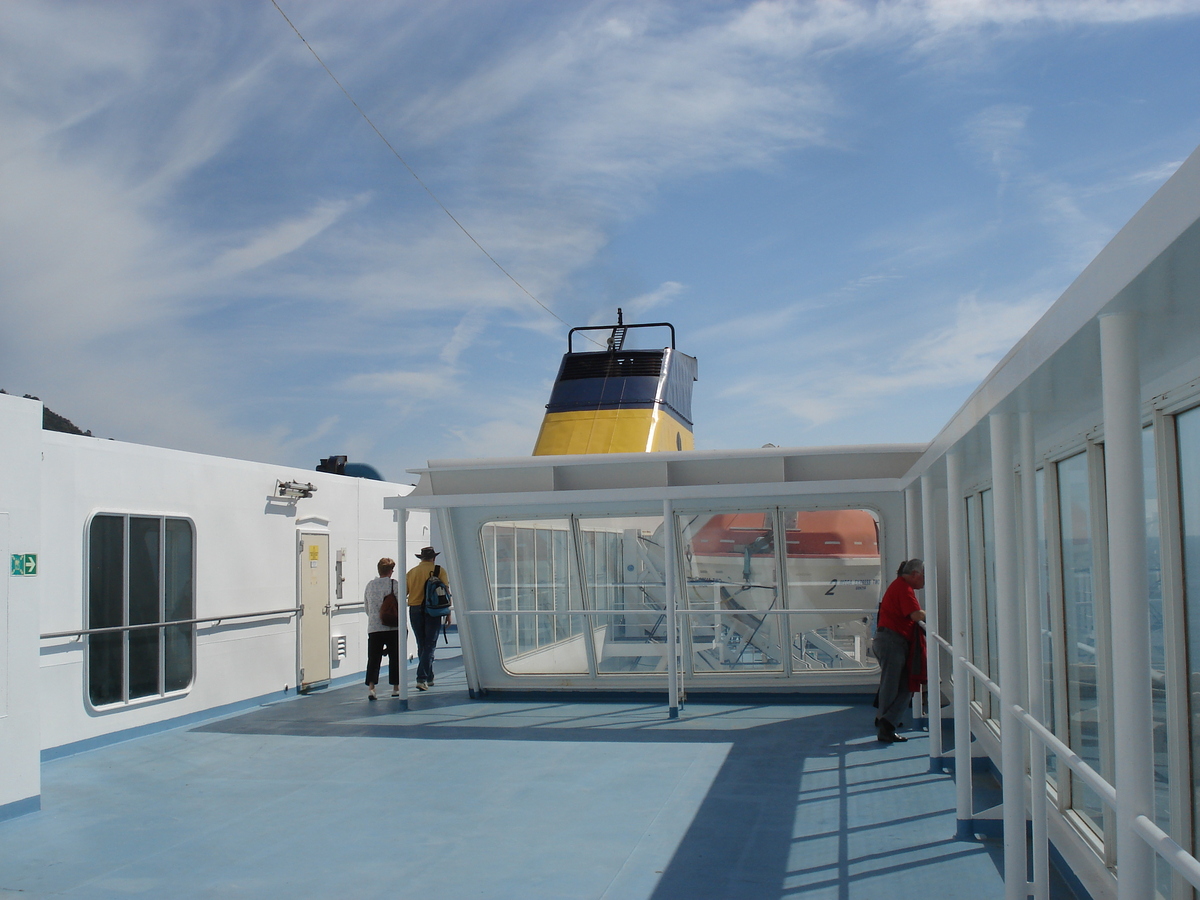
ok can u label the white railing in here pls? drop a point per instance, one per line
(1172, 853)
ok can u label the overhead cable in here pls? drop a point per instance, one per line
(411, 172)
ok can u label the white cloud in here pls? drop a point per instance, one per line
(280, 239)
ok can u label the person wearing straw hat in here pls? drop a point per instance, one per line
(425, 627)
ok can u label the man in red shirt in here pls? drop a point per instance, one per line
(899, 613)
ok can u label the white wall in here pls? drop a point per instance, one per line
(20, 779)
(246, 553)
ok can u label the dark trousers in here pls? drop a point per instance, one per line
(891, 649)
(377, 643)
(425, 629)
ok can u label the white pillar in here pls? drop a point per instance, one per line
(402, 600)
(1128, 603)
(912, 548)
(912, 522)
(929, 545)
(956, 521)
(1008, 615)
(1033, 643)
(669, 560)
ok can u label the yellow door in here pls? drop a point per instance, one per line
(314, 610)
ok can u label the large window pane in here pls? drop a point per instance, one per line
(106, 609)
(978, 596)
(832, 563)
(623, 568)
(126, 582)
(731, 575)
(1083, 707)
(1046, 621)
(1188, 438)
(531, 576)
(989, 584)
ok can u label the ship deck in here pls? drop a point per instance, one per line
(327, 795)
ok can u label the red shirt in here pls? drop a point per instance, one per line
(898, 603)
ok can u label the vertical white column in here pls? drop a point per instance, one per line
(1129, 604)
(912, 522)
(929, 546)
(669, 560)
(402, 600)
(1008, 617)
(1033, 643)
(912, 548)
(956, 522)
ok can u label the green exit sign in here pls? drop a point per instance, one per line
(24, 564)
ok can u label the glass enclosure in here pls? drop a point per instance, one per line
(586, 595)
(530, 572)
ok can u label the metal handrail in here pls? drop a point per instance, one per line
(992, 687)
(1176, 857)
(1159, 841)
(82, 632)
(338, 607)
(1091, 777)
(651, 611)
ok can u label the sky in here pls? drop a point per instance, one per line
(850, 211)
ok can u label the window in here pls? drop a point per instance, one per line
(139, 582)
(531, 576)
(1046, 616)
(1188, 446)
(1082, 650)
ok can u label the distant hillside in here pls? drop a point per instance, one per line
(52, 421)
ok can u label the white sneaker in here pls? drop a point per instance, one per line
(371, 694)
(395, 692)
(422, 686)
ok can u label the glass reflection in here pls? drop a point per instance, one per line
(731, 575)
(1083, 704)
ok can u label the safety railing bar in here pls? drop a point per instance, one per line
(1094, 779)
(82, 632)
(1176, 857)
(652, 611)
(338, 607)
(941, 640)
(992, 687)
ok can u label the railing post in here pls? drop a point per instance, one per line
(929, 546)
(1030, 515)
(1008, 612)
(669, 560)
(402, 600)
(957, 525)
(912, 548)
(1121, 386)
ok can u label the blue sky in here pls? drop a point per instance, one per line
(850, 211)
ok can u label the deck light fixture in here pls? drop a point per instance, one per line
(294, 490)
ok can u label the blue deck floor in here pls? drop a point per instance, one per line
(327, 796)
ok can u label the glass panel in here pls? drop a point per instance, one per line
(178, 657)
(529, 569)
(989, 585)
(1188, 437)
(832, 562)
(178, 603)
(143, 605)
(106, 601)
(978, 605)
(1083, 710)
(1046, 624)
(623, 568)
(730, 565)
(1158, 683)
